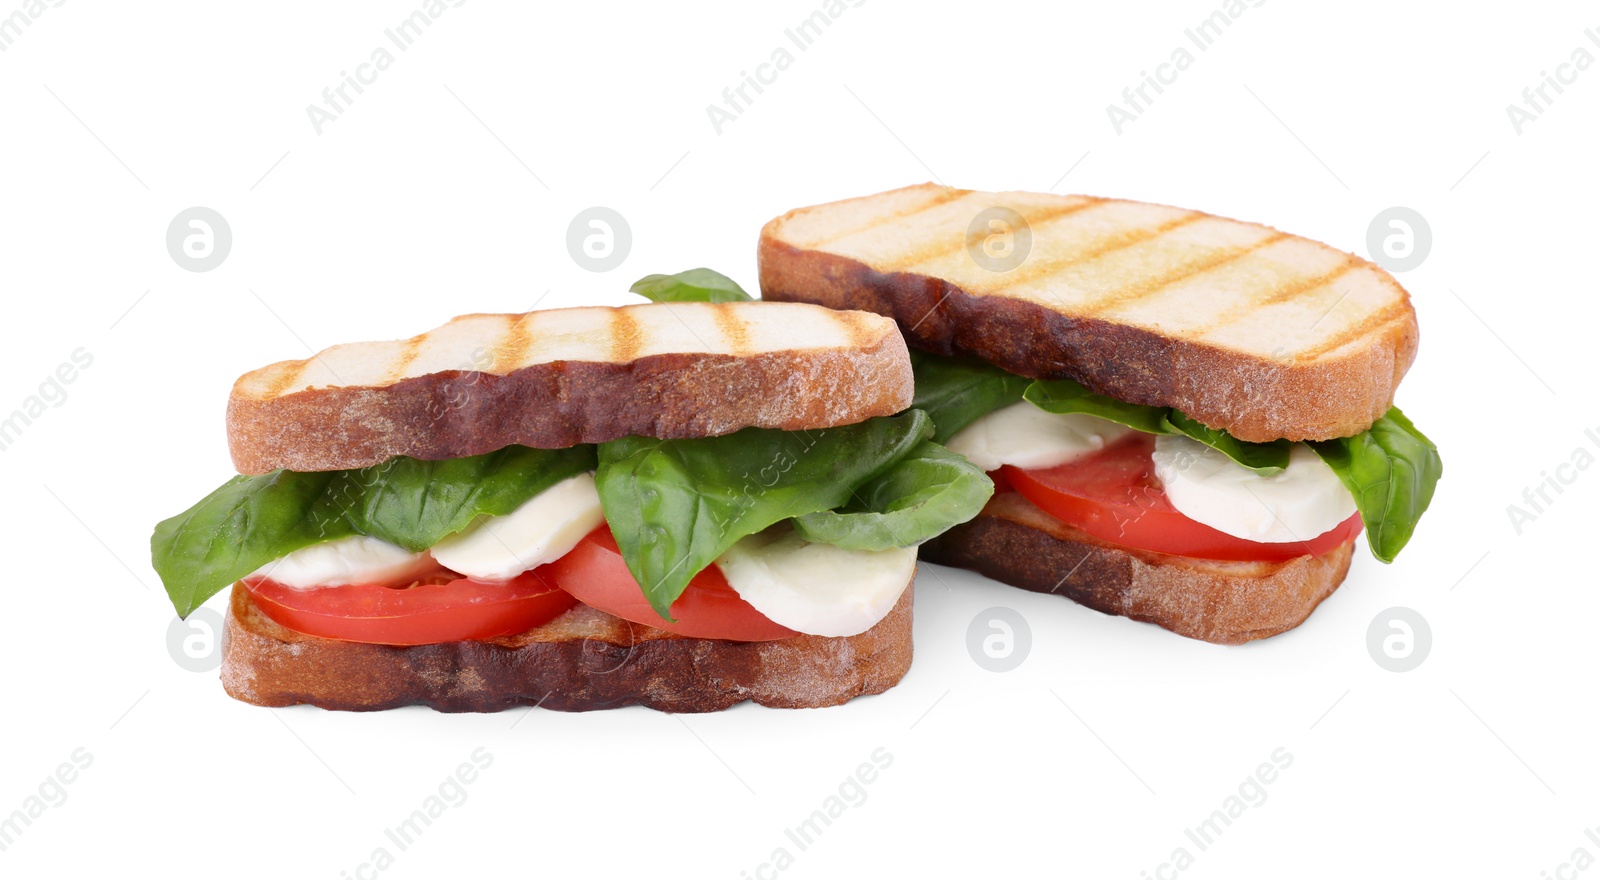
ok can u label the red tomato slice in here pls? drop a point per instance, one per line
(447, 608)
(1115, 496)
(709, 609)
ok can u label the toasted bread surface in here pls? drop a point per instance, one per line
(1228, 603)
(560, 377)
(1240, 326)
(585, 659)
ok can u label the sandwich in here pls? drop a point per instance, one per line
(1189, 419)
(682, 504)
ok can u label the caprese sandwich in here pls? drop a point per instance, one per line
(683, 504)
(1189, 419)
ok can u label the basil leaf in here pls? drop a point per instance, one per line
(674, 506)
(918, 498)
(1391, 469)
(415, 503)
(693, 285)
(1265, 459)
(251, 521)
(957, 391)
(1067, 396)
(243, 525)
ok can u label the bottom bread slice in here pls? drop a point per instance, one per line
(1229, 603)
(585, 659)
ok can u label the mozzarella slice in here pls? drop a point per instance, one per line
(542, 530)
(354, 560)
(1299, 503)
(1028, 437)
(817, 589)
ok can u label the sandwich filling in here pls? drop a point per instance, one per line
(755, 535)
(1150, 478)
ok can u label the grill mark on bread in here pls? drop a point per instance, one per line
(413, 347)
(1117, 242)
(939, 249)
(627, 337)
(855, 327)
(1282, 294)
(735, 334)
(517, 341)
(1380, 318)
(1136, 236)
(1033, 270)
(949, 195)
(288, 372)
(1161, 282)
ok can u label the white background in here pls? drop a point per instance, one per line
(447, 187)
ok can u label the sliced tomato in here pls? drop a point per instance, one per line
(709, 609)
(1115, 496)
(446, 608)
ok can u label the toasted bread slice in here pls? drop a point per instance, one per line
(1245, 328)
(585, 659)
(1228, 603)
(560, 377)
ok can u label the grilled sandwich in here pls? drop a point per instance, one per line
(683, 504)
(1190, 417)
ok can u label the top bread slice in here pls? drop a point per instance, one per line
(560, 377)
(1240, 326)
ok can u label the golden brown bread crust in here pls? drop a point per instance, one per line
(585, 659)
(1254, 398)
(1227, 603)
(559, 404)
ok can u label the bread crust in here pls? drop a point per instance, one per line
(583, 660)
(1227, 603)
(559, 404)
(1251, 397)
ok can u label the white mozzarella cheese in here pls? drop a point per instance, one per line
(1026, 436)
(817, 589)
(354, 560)
(1299, 503)
(542, 530)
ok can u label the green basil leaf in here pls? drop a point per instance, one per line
(674, 506)
(918, 498)
(1067, 396)
(1391, 469)
(243, 525)
(693, 285)
(1265, 459)
(251, 521)
(415, 503)
(957, 391)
